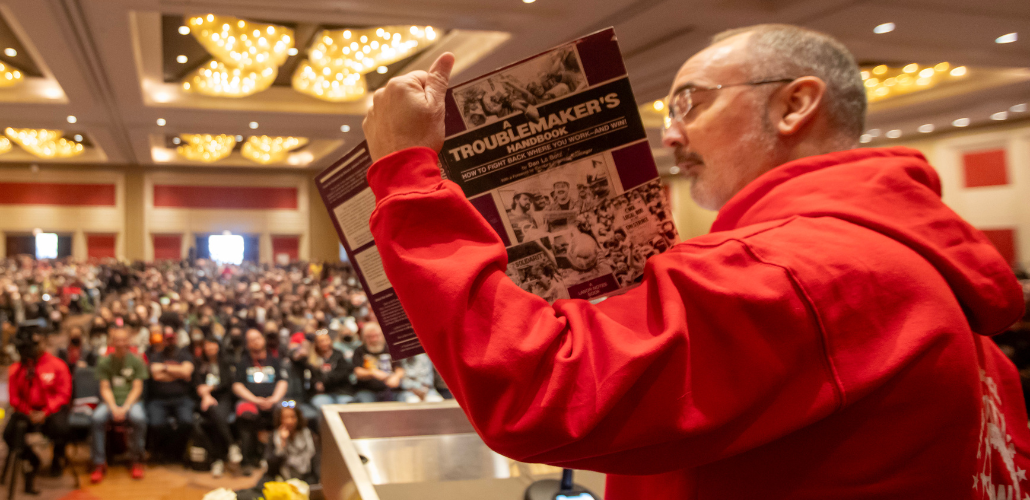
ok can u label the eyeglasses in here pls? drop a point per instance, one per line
(289, 403)
(682, 101)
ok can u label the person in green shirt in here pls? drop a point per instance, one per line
(121, 377)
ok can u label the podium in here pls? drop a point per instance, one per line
(393, 451)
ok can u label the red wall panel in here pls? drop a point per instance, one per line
(1005, 241)
(100, 246)
(289, 245)
(985, 168)
(40, 193)
(225, 197)
(167, 246)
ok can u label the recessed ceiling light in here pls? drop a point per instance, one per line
(77, 137)
(9, 52)
(292, 51)
(674, 170)
(253, 125)
(926, 129)
(161, 122)
(176, 140)
(961, 122)
(239, 138)
(1009, 38)
(72, 119)
(659, 105)
(881, 29)
(1018, 108)
(345, 128)
(910, 68)
(382, 69)
(875, 132)
(52, 93)
(865, 138)
(958, 71)
(926, 72)
(1000, 115)
(528, 1)
(184, 30)
(893, 134)
(181, 59)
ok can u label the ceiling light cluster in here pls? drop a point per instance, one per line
(338, 60)
(264, 149)
(44, 143)
(9, 76)
(5, 145)
(247, 55)
(871, 134)
(206, 147)
(882, 82)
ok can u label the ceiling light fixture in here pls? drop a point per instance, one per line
(184, 30)
(77, 137)
(926, 128)
(382, 70)
(44, 143)
(898, 81)
(292, 51)
(9, 76)
(72, 119)
(880, 29)
(893, 134)
(961, 122)
(528, 1)
(1018, 108)
(176, 140)
(1009, 38)
(5, 145)
(10, 52)
(879, 70)
(941, 67)
(1000, 115)
(253, 125)
(865, 139)
(345, 128)
(875, 132)
(247, 55)
(673, 170)
(264, 149)
(338, 62)
(958, 71)
(161, 122)
(659, 105)
(239, 138)
(206, 147)
(911, 68)
(181, 59)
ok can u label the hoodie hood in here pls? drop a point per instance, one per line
(895, 192)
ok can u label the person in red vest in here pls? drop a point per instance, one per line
(829, 338)
(40, 392)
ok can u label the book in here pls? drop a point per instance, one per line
(552, 152)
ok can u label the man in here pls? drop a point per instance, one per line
(378, 376)
(562, 200)
(170, 394)
(828, 339)
(261, 383)
(121, 377)
(78, 354)
(40, 390)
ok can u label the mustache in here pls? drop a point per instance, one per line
(683, 156)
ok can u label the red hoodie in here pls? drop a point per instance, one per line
(826, 340)
(48, 390)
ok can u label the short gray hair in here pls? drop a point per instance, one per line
(782, 50)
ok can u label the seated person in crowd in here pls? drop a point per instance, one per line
(331, 373)
(213, 379)
(234, 345)
(419, 380)
(299, 379)
(78, 354)
(261, 383)
(40, 390)
(291, 449)
(121, 375)
(171, 394)
(379, 378)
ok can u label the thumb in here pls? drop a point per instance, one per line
(439, 77)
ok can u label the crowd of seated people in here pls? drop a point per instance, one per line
(244, 355)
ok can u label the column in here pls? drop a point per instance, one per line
(79, 251)
(265, 248)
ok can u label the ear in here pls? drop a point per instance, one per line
(800, 102)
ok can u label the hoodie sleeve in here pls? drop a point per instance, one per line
(715, 353)
(14, 382)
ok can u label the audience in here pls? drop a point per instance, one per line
(121, 376)
(213, 379)
(170, 394)
(379, 377)
(261, 383)
(331, 373)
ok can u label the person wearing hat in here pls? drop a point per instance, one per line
(170, 395)
(40, 389)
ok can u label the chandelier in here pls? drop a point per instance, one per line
(247, 55)
(206, 147)
(264, 149)
(44, 143)
(882, 82)
(339, 59)
(5, 145)
(9, 76)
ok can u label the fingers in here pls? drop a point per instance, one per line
(439, 77)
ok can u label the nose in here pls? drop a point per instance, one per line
(673, 136)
